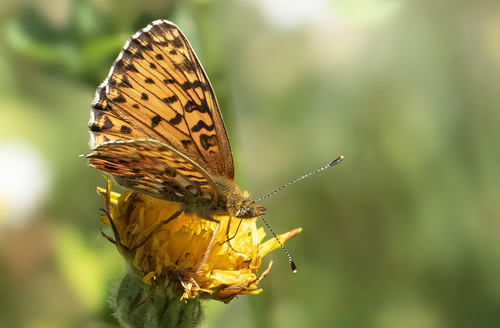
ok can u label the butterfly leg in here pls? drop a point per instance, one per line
(210, 245)
(122, 249)
(228, 240)
(157, 228)
(117, 241)
(235, 233)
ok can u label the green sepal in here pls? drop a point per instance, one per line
(159, 309)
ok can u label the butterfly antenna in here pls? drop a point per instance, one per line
(292, 263)
(335, 162)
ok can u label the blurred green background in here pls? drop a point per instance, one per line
(403, 233)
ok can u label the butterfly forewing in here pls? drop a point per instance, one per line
(158, 90)
(106, 124)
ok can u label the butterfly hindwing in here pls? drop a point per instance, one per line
(155, 168)
(157, 89)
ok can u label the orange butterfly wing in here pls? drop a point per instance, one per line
(157, 89)
(157, 169)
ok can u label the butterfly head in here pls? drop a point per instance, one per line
(244, 208)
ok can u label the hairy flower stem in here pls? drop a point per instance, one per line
(163, 309)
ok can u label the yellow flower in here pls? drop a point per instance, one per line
(190, 256)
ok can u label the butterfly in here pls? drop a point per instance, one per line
(156, 127)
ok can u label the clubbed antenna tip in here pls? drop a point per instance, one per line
(336, 161)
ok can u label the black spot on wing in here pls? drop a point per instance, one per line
(191, 106)
(176, 120)
(144, 96)
(95, 128)
(193, 85)
(98, 106)
(207, 141)
(124, 82)
(177, 42)
(186, 142)
(131, 67)
(107, 123)
(149, 80)
(170, 100)
(202, 125)
(155, 121)
(125, 129)
(120, 99)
